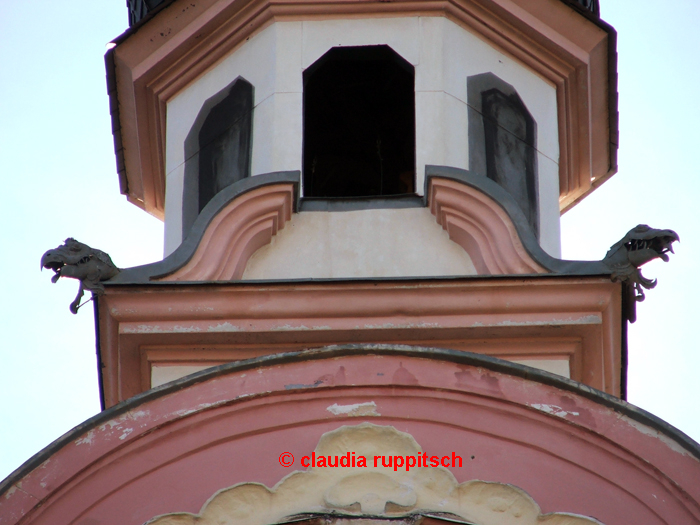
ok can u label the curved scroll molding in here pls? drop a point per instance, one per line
(232, 226)
(486, 221)
(246, 224)
(370, 491)
(481, 227)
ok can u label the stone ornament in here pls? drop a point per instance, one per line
(641, 245)
(78, 261)
(371, 493)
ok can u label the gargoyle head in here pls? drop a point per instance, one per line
(644, 244)
(641, 245)
(67, 259)
(78, 261)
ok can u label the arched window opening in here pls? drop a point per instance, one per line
(359, 124)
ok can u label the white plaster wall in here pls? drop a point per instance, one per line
(166, 373)
(548, 182)
(364, 243)
(271, 61)
(554, 366)
(443, 54)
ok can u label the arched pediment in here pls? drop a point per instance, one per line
(361, 489)
(204, 449)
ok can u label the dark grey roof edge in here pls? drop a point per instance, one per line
(330, 352)
(527, 236)
(336, 204)
(184, 252)
(408, 279)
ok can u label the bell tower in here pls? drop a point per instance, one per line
(359, 103)
(366, 145)
(362, 314)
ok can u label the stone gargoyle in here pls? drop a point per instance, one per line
(78, 261)
(641, 245)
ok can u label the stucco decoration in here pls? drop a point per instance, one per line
(244, 225)
(641, 245)
(482, 227)
(370, 491)
(78, 261)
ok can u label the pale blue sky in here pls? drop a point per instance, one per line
(59, 180)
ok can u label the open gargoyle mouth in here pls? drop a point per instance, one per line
(661, 245)
(51, 263)
(55, 266)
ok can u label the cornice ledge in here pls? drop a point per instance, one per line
(232, 226)
(499, 243)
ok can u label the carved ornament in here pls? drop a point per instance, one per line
(480, 225)
(78, 261)
(641, 245)
(371, 493)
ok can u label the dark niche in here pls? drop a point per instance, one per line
(217, 148)
(502, 143)
(359, 124)
(224, 142)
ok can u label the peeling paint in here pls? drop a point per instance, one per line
(87, 440)
(586, 319)
(148, 329)
(199, 408)
(553, 409)
(111, 424)
(225, 327)
(139, 414)
(407, 325)
(356, 410)
(202, 309)
(288, 327)
(648, 431)
(10, 491)
(126, 433)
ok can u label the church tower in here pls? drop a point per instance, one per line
(372, 160)
(362, 314)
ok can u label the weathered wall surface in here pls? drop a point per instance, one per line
(171, 450)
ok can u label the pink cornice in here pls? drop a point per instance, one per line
(575, 317)
(479, 225)
(236, 232)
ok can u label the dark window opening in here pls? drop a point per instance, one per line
(224, 142)
(359, 124)
(509, 131)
